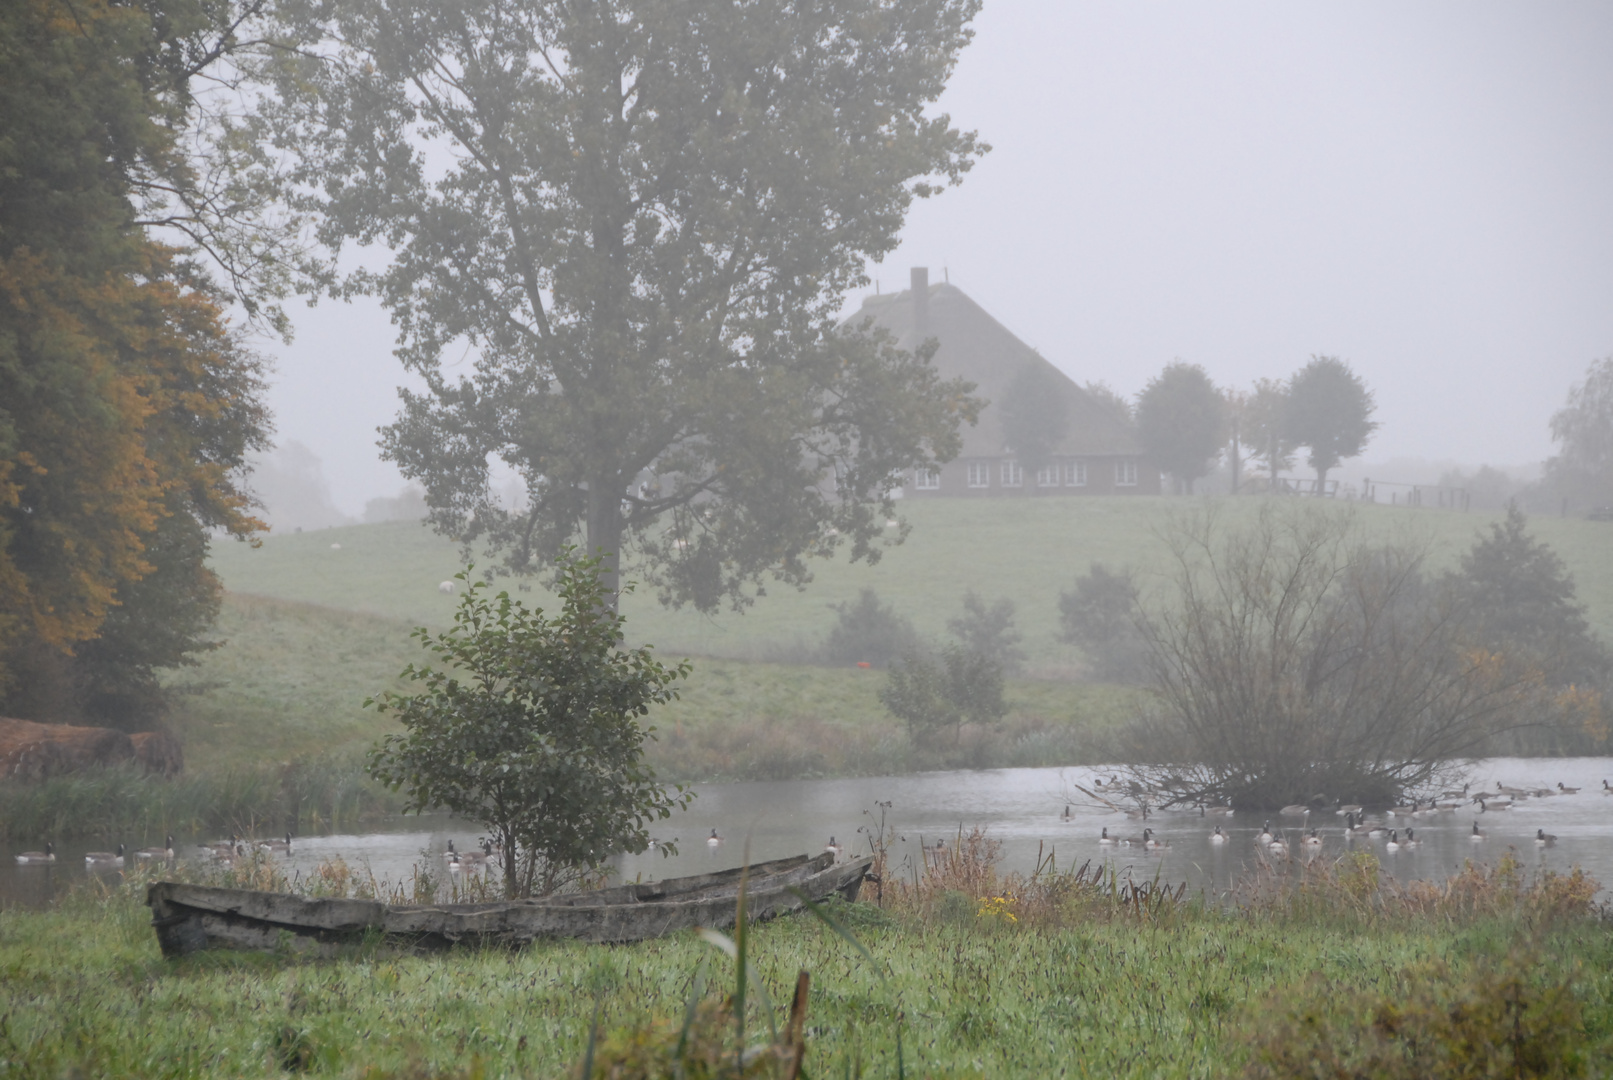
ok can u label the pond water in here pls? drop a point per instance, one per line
(1021, 808)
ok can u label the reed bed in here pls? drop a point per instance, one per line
(309, 795)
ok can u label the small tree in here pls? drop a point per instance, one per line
(931, 693)
(531, 729)
(1329, 410)
(988, 630)
(1100, 616)
(1180, 421)
(868, 632)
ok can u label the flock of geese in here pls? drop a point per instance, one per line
(1394, 829)
(223, 851)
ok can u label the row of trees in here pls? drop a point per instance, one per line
(1186, 423)
(128, 403)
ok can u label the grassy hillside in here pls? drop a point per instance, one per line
(1024, 549)
(290, 682)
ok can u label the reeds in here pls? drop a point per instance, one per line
(121, 801)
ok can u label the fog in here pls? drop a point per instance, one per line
(1419, 189)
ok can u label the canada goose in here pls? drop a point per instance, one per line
(283, 847)
(1606, 790)
(1477, 836)
(470, 860)
(1394, 841)
(1352, 808)
(713, 840)
(1265, 836)
(1411, 839)
(1066, 816)
(1544, 839)
(1493, 803)
(1134, 841)
(832, 848)
(450, 854)
(1376, 831)
(1567, 790)
(1105, 840)
(222, 850)
(1296, 810)
(166, 852)
(1151, 843)
(1404, 811)
(105, 858)
(1278, 847)
(33, 858)
(1312, 841)
(1218, 837)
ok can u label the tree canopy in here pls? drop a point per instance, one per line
(1035, 414)
(127, 404)
(620, 234)
(1329, 410)
(1583, 430)
(530, 727)
(1181, 420)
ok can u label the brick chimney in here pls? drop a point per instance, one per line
(921, 301)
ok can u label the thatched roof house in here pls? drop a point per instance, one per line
(1098, 452)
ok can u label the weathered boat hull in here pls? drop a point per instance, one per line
(191, 918)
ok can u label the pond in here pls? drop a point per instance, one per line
(1022, 808)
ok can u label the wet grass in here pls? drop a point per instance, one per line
(1184, 991)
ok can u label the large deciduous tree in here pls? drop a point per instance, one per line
(1328, 410)
(1583, 430)
(127, 405)
(1181, 420)
(620, 234)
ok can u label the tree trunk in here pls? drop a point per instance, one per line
(1237, 457)
(605, 536)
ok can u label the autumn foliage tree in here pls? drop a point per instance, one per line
(127, 405)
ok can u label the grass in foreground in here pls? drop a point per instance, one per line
(1081, 985)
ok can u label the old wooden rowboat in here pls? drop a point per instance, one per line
(189, 918)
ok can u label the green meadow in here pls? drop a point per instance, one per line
(951, 988)
(315, 622)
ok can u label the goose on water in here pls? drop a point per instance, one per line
(1477, 836)
(1312, 841)
(111, 859)
(1544, 838)
(1105, 840)
(1352, 808)
(832, 848)
(1277, 846)
(1295, 810)
(1265, 835)
(283, 847)
(1411, 839)
(1567, 790)
(1218, 837)
(1153, 844)
(166, 852)
(1394, 841)
(713, 840)
(34, 858)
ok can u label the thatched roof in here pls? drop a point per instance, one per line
(979, 348)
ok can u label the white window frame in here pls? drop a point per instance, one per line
(926, 479)
(1012, 474)
(1125, 474)
(979, 474)
(1048, 475)
(1074, 473)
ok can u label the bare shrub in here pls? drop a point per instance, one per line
(1299, 662)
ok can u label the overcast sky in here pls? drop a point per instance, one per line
(1425, 190)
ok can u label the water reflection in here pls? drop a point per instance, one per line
(1024, 809)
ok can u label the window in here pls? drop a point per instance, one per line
(1012, 476)
(1125, 474)
(1047, 476)
(1075, 474)
(979, 474)
(927, 479)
